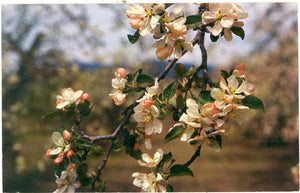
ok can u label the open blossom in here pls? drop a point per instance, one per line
(230, 94)
(118, 97)
(225, 15)
(148, 182)
(67, 181)
(145, 16)
(151, 162)
(68, 96)
(59, 141)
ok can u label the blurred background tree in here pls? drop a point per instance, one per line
(43, 48)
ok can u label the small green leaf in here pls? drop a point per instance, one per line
(191, 71)
(213, 38)
(129, 77)
(238, 31)
(53, 115)
(174, 133)
(180, 170)
(193, 21)
(85, 107)
(167, 157)
(180, 102)
(134, 38)
(96, 151)
(253, 102)
(76, 159)
(170, 188)
(225, 74)
(135, 154)
(144, 78)
(170, 91)
(180, 70)
(205, 97)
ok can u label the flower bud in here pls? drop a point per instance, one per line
(240, 67)
(119, 98)
(58, 160)
(136, 147)
(85, 96)
(121, 73)
(148, 102)
(72, 165)
(67, 135)
(70, 154)
(209, 109)
(48, 153)
(61, 154)
(57, 102)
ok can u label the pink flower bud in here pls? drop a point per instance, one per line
(57, 102)
(67, 135)
(48, 153)
(240, 67)
(148, 102)
(58, 160)
(70, 154)
(85, 96)
(61, 154)
(72, 165)
(121, 73)
(136, 147)
(119, 98)
(251, 89)
(209, 109)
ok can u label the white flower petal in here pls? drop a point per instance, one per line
(57, 138)
(187, 134)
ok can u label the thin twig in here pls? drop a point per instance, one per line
(193, 158)
(102, 165)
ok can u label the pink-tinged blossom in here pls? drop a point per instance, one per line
(149, 182)
(179, 43)
(59, 141)
(67, 182)
(225, 15)
(118, 97)
(151, 162)
(120, 73)
(163, 50)
(144, 17)
(230, 94)
(67, 97)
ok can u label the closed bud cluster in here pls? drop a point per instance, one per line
(119, 84)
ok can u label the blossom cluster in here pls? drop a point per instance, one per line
(119, 84)
(152, 182)
(203, 121)
(68, 96)
(146, 114)
(224, 16)
(167, 28)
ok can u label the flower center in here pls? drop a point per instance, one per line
(232, 115)
(178, 44)
(219, 15)
(167, 19)
(148, 13)
(147, 118)
(231, 90)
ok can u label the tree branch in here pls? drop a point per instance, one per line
(193, 158)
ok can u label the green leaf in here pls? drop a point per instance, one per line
(144, 78)
(180, 170)
(76, 159)
(85, 144)
(213, 38)
(135, 154)
(85, 107)
(170, 188)
(53, 115)
(174, 133)
(238, 31)
(176, 116)
(96, 151)
(180, 70)
(191, 71)
(134, 38)
(225, 74)
(193, 21)
(180, 102)
(253, 102)
(170, 91)
(167, 157)
(205, 97)
(129, 77)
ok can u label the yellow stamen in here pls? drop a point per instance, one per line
(167, 19)
(199, 119)
(147, 118)
(219, 16)
(232, 115)
(148, 13)
(178, 44)
(231, 90)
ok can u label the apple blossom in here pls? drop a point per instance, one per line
(68, 97)
(151, 162)
(120, 73)
(70, 154)
(118, 97)
(67, 135)
(62, 145)
(145, 16)
(67, 181)
(224, 16)
(85, 96)
(148, 182)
